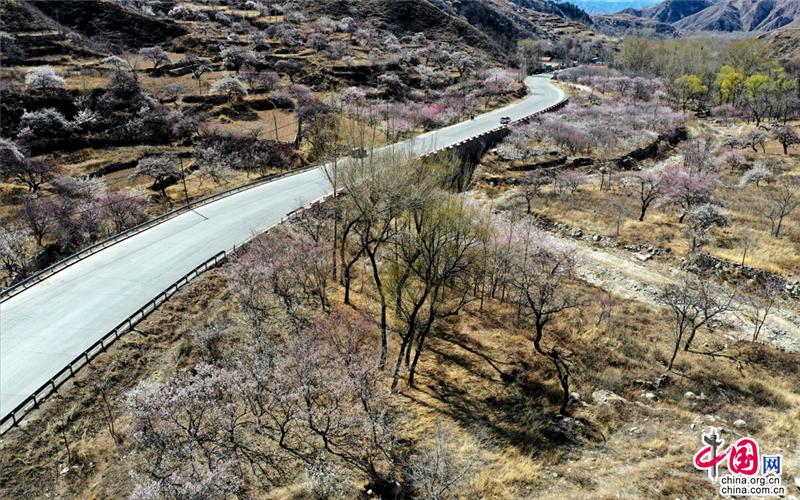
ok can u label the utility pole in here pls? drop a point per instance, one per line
(183, 178)
(186, 191)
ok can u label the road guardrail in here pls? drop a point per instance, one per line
(32, 402)
(101, 245)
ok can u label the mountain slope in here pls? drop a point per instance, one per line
(714, 15)
(671, 11)
(493, 26)
(109, 22)
(785, 41)
(743, 15)
(628, 24)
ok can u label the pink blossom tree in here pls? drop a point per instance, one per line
(123, 209)
(161, 169)
(17, 249)
(15, 166)
(283, 269)
(686, 190)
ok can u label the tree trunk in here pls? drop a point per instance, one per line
(778, 227)
(674, 354)
(563, 378)
(399, 362)
(689, 339)
(420, 345)
(379, 286)
(346, 278)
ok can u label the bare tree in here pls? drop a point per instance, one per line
(531, 188)
(607, 303)
(541, 277)
(100, 385)
(748, 239)
(694, 302)
(379, 189)
(756, 138)
(788, 137)
(759, 305)
(198, 68)
(650, 188)
(697, 154)
(437, 471)
(436, 245)
(779, 204)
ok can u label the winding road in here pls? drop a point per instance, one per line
(46, 326)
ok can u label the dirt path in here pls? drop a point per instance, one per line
(622, 274)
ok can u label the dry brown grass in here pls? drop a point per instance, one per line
(31, 456)
(480, 378)
(596, 211)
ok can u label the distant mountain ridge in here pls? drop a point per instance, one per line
(716, 15)
(671, 11)
(743, 15)
(611, 6)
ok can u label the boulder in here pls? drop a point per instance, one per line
(603, 397)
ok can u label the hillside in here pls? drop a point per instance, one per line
(743, 15)
(671, 11)
(459, 249)
(611, 6)
(711, 15)
(628, 24)
(785, 41)
(493, 26)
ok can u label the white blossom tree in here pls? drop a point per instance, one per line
(230, 86)
(756, 174)
(160, 169)
(155, 54)
(44, 79)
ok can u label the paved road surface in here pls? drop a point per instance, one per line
(46, 326)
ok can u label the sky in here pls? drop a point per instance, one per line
(607, 6)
